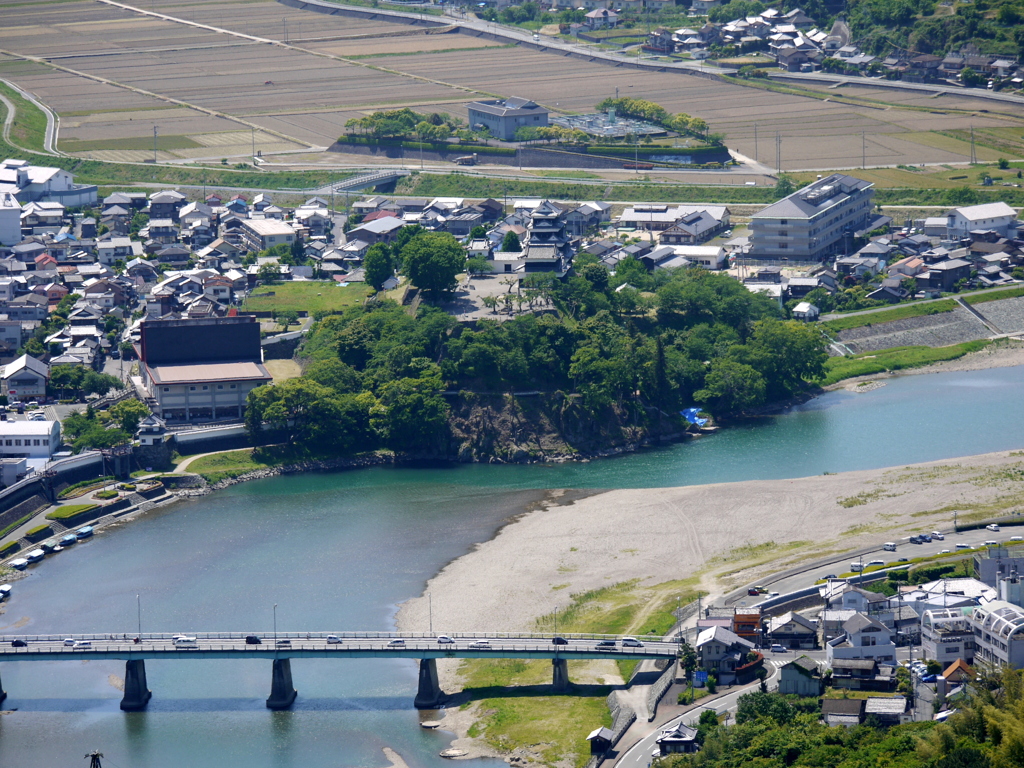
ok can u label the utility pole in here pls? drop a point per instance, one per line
(778, 152)
(430, 612)
(863, 152)
(94, 759)
(285, 20)
(755, 142)
(974, 156)
(253, 144)
(156, 130)
(138, 604)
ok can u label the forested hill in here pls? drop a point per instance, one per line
(610, 366)
(924, 26)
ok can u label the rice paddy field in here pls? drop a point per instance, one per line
(219, 79)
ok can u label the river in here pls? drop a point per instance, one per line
(340, 551)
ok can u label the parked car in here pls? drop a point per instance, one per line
(928, 678)
(1017, 538)
(938, 536)
(925, 537)
(992, 527)
(962, 545)
(252, 640)
(876, 562)
(830, 576)
(559, 641)
(914, 539)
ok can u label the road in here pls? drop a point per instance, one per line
(640, 753)
(321, 644)
(965, 295)
(806, 577)
(50, 137)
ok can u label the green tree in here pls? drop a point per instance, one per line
(411, 416)
(784, 186)
(510, 243)
(65, 379)
(377, 264)
(477, 265)
(731, 387)
(432, 260)
(128, 414)
(99, 383)
(477, 233)
(962, 196)
(268, 273)
(334, 374)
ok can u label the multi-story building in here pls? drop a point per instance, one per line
(261, 234)
(997, 634)
(994, 563)
(990, 217)
(815, 222)
(201, 370)
(947, 635)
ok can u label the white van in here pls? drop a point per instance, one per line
(856, 567)
(183, 641)
(889, 546)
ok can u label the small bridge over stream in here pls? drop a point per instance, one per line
(280, 648)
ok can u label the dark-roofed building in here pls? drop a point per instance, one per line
(678, 739)
(504, 118)
(201, 369)
(801, 676)
(814, 222)
(848, 712)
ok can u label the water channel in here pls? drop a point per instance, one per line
(340, 551)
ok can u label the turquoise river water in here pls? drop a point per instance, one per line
(341, 551)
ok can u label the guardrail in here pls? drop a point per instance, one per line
(323, 635)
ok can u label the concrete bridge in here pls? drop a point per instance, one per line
(282, 647)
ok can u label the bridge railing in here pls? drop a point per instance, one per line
(322, 635)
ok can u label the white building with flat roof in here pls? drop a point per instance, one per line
(29, 439)
(999, 634)
(10, 219)
(260, 234)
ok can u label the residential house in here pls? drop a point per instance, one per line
(601, 18)
(864, 637)
(677, 739)
(998, 638)
(999, 217)
(845, 712)
(891, 291)
(792, 631)
(862, 675)
(800, 677)
(944, 275)
(806, 312)
(887, 711)
(379, 231)
(166, 204)
(721, 652)
(24, 379)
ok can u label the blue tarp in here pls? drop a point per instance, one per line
(690, 414)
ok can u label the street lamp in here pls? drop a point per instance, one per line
(275, 624)
(138, 605)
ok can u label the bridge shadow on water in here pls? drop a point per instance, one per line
(159, 705)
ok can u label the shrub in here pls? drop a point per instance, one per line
(111, 494)
(39, 532)
(9, 549)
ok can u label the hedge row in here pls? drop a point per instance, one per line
(467, 149)
(69, 512)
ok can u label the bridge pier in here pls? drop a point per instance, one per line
(3, 693)
(136, 694)
(429, 695)
(559, 674)
(282, 692)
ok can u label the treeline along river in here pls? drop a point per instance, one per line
(340, 551)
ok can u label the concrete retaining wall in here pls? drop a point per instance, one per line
(214, 439)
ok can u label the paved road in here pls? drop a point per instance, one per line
(320, 644)
(806, 578)
(640, 753)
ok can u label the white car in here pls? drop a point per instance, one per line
(480, 644)
(631, 642)
(876, 562)
(992, 527)
(444, 640)
(396, 643)
(82, 644)
(69, 641)
(1017, 538)
(937, 535)
(331, 639)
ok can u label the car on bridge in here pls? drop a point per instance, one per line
(252, 640)
(396, 643)
(18, 643)
(480, 644)
(606, 645)
(631, 642)
(444, 640)
(559, 641)
(285, 643)
(333, 639)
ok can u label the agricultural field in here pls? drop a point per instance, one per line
(217, 77)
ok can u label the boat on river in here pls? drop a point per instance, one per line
(5, 591)
(68, 540)
(20, 564)
(35, 555)
(84, 533)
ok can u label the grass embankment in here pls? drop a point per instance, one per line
(889, 315)
(69, 512)
(557, 725)
(312, 297)
(29, 127)
(433, 185)
(894, 359)
(1011, 293)
(220, 466)
(14, 525)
